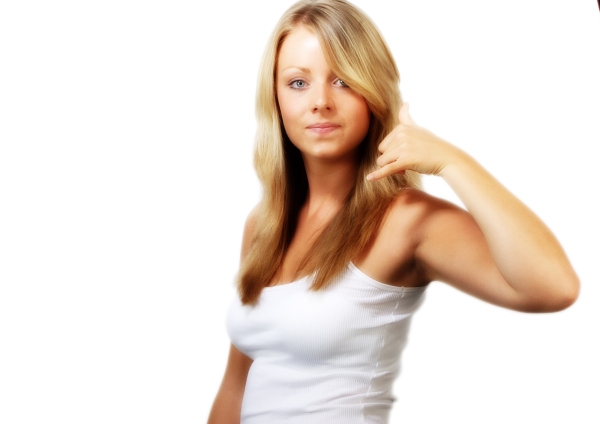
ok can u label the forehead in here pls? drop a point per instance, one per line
(300, 49)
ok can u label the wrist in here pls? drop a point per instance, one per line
(459, 163)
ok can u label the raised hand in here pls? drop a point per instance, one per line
(507, 232)
(411, 147)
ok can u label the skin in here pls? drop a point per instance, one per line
(497, 250)
(309, 93)
(332, 128)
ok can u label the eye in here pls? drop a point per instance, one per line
(342, 83)
(297, 84)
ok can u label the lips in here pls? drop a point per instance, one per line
(323, 127)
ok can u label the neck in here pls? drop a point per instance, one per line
(328, 184)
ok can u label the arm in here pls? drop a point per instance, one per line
(228, 402)
(500, 251)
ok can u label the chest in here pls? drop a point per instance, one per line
(344, 325)
(388, 258)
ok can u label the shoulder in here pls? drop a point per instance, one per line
(421, 211)
(430, 224)
(250, 229)
(412, 218)
(446, 240)
(252, 219)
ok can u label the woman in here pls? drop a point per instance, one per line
(337, 255)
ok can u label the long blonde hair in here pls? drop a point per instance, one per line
(356, 53)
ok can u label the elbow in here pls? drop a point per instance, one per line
(560, 298)
(569, 294)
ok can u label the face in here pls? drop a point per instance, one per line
(322, 116)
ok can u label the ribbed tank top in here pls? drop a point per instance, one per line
(328, 356)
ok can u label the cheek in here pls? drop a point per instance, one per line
(286, 115)
(361, 116)
(290, 115)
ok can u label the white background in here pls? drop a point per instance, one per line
(126, 132)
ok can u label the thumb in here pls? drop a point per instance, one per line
(404, 116)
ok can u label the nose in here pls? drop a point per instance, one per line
(322, 97)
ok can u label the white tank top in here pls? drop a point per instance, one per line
(329, 356)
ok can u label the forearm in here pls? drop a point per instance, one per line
(228, 402)
(226, 407)
(525, 251)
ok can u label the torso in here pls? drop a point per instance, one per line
(388, 258)
(307, 231)
(328, 356)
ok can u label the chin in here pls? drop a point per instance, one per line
(332, 155)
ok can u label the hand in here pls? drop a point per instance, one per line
(410, 147)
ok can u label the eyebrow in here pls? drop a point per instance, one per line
(305, 70)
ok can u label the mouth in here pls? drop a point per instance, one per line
(323, 127)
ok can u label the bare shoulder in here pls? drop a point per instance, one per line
(424, 228)
(250, 230)
(424, 239)
(419, 202)
(429, 218)
(449, 246)
(252, 219)
(419, 211)
(392, 255)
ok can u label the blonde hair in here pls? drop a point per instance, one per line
(356, 53)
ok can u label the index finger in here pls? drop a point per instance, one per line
(387, 140)
(386, 171)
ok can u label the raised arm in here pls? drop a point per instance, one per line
(500, 251)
